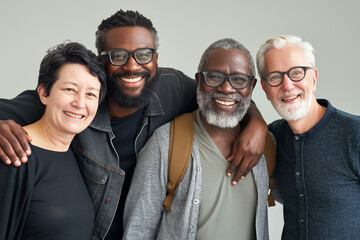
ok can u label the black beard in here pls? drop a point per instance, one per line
(121, 99)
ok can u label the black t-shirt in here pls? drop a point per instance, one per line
(125, 131)
(45, 198)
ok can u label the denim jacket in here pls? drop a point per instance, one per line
(174, 94)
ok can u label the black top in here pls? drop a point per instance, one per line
(45, 198)
(125, 130)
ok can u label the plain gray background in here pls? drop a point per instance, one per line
(186, 28)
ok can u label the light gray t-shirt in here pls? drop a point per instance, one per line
(226, 211)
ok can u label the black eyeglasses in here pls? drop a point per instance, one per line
(296, 74)
(238, 80)
(119, 57)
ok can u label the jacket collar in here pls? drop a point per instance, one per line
(102, 118)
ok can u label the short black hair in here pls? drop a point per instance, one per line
(123, 19)
(70, 52)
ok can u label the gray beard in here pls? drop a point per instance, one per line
(222, 119)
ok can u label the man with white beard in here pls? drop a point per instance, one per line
(206, 205)
(318, 146)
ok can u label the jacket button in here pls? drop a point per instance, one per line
(196, 201)
(108, 200)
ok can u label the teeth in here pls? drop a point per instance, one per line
(289, 99)
(130, 80)
(225, 103)
(73, 115)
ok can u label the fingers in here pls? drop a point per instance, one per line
(14, 146)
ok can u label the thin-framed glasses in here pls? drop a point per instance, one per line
(237, 80)
(119, 57)
(296, 74)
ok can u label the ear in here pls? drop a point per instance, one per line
(156, 57)
(254, 81)
(264, 86)
(42, 94)
(197, 78)
(315, 77)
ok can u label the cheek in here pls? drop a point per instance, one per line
(92, 108)
(111, 68)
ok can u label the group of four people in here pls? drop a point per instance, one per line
(318, 146)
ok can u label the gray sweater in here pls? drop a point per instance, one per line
(144, 215)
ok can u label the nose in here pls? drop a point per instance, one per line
(79, 100)
(287, 84)
(131, 65)
(226, 87)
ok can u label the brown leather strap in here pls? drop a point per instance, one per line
(181, 142)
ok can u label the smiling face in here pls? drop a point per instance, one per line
(224, 106)
(130, 84)
(73, 100)
(292, 100)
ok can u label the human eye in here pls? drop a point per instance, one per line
(239, 78)
(119, 56)
(274, 78)
(213, 76)
(296, 73)
(92, 95)
(143, 54)
(68, 89)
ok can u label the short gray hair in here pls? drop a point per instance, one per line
(279, 42)
(227, 43)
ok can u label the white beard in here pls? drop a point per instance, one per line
(222, 119)
(295, 111)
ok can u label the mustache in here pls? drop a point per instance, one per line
(233, 96)
(119, 75)
(292, 92)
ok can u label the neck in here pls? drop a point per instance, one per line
(314, 115)
(45, 136)
(222, 137)
(117, 111)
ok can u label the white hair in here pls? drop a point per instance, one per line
(279, 42)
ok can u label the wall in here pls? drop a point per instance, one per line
(186, 28)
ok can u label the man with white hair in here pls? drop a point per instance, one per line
(206, 205)
(318, 146)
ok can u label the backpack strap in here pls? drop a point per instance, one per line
(270, 155)
(180, 148)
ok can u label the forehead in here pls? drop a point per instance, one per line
(284, 58)
(227, 61)
(77, 74)
(129, 38)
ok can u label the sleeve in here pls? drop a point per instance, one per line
(15, 188)
(144, 203)
(24, 109)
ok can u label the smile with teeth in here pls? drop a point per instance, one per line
(227, 103)
(289, 99)
(74, 115)
(131, 80)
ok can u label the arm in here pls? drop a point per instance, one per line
(144, 203)
(15, 200)
(249, 146)
(24, 109)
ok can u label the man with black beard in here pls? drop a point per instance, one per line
(205, 205)
(141, 97)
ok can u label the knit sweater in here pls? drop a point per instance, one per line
(318, 176)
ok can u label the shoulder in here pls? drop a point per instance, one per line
(24, 109)
(348, 120)
(158, 142)
(171, 75)
(277, 126)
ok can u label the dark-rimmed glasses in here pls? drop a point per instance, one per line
(295, 74)
(237, 80)
(119, 57)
